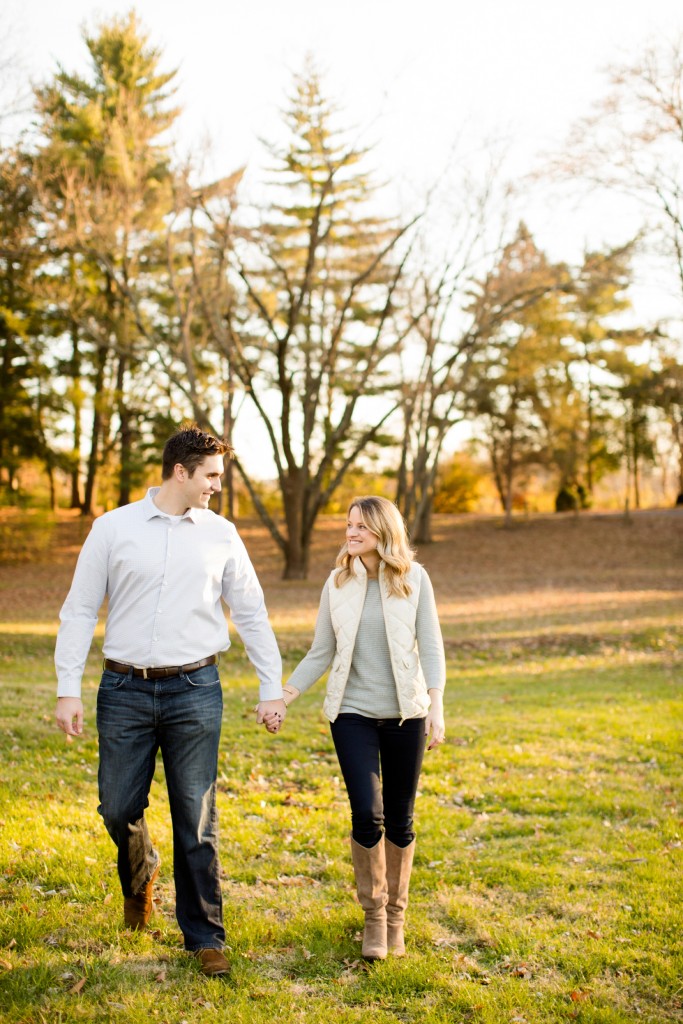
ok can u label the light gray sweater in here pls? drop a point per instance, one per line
(371, 689)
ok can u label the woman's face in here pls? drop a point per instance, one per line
(359, 538)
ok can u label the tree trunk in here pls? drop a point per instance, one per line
(96, 434)
(589, 429)
(53, 491)
(421, 531)
(509, 477)
(227, 496)
(125, 435)
(77, 408)
(298, 543)
(627, 449)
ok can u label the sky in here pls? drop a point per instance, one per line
(410, 76)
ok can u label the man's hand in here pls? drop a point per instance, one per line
(271, 713)
(69, 715)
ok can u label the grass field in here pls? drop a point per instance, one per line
(547, 878)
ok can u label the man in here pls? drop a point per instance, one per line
(165, 563)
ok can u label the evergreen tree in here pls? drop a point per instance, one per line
(104, 168)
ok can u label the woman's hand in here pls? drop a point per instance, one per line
(271, 713)
(434, 722)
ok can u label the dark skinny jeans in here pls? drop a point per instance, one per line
(380, 761)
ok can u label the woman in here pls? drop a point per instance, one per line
(377, 624)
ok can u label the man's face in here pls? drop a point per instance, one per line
(204, 482)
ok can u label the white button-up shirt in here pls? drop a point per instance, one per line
(165, 577)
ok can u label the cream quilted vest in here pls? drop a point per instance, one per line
(346, 607)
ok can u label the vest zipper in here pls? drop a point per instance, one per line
(391, 653)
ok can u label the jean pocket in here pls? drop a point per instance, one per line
(112, 680)
(207, 676)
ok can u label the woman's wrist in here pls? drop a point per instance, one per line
(289, 693)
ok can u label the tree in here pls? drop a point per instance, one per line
(26, 396)
(106, 188)
(634, 390)
(667, 395)
(633, 142)
(458, 484)
(523, 365)
(309, 330)
(580, 425)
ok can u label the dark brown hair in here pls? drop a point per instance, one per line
(189, 446)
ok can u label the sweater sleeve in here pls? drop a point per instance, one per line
(429, 638)
(321, 653)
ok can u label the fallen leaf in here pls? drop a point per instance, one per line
(108, 898)
(578, 995)
(12, 944)
(6, 965)
(161, 976)
(75, 989)
(521, 971)
(593, 935)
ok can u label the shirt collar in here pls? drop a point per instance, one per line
(150, 509)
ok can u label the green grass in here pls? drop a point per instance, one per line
(547, 878)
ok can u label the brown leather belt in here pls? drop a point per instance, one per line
(158, 673)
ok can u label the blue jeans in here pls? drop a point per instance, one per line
(181, 716)
(380, 760)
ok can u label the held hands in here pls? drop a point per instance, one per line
(69, 715)
(271, 713)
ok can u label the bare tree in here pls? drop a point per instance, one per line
(445, 331)
(306, 325)
(633, 142)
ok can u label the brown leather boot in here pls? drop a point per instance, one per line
(371, 884)
(399, 866)
(213, 963)
(137, 909)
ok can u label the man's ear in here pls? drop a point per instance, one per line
(179, 472)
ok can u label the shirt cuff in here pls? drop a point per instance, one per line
(270, 691)
(69, 688)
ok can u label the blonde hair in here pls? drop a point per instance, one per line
(385, 521)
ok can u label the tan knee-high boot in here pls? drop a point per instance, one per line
(399, 866)
(369, 867)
